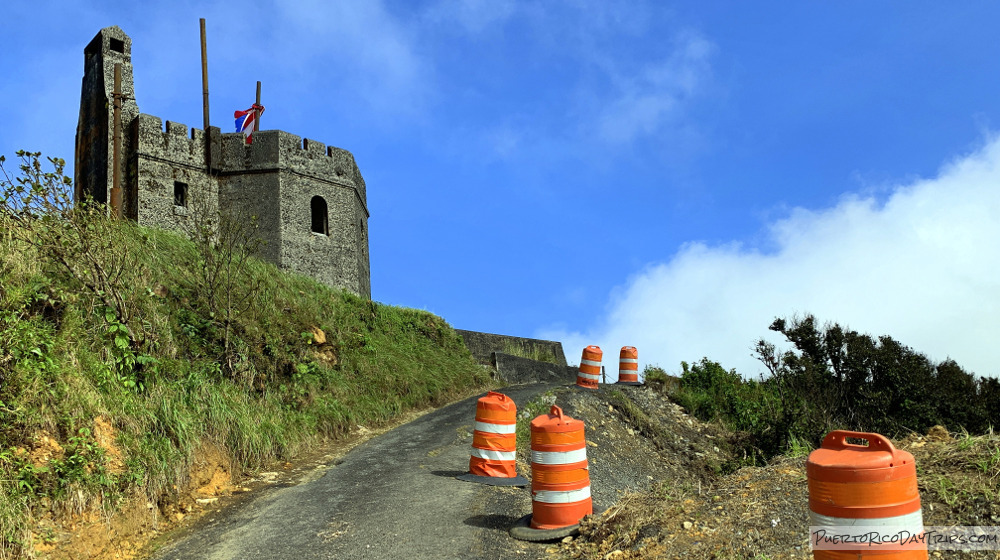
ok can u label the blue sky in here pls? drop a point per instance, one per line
(665, 175)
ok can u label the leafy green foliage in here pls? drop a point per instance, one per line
(749, 407)
(77, 243)
(836, 378)
(853, 380)
(223, 287)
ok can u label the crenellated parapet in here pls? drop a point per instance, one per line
(172, 143)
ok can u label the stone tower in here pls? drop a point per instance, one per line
(309, 199)
(93, 167)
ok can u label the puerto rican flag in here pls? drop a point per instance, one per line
(244, 120)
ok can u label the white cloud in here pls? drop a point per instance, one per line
(504, 140)
(472, 16)
(923, 267)
(645, 102)
(359, 44)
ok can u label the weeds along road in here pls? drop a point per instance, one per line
(394, 496)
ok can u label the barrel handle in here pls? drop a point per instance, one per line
(501, 396)
(556, 411)
(837, 439)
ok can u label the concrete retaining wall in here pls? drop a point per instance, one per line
(484, 345)
(516, 370)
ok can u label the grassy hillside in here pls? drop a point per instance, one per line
(118, 365)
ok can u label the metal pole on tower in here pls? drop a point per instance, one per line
(256, 110)
(204, 95)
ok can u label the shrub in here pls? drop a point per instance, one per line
(836, 378)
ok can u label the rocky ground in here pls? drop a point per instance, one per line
(692, 510)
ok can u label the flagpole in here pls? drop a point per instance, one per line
(204, 95)
(256, 110)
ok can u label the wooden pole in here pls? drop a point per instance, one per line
(256, 111)
(204, 95)
(116, 181)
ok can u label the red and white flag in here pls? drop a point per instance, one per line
(245, 120)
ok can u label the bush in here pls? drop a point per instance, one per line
(711, 393)
(854, 381)
(836, 378)
(657, 378)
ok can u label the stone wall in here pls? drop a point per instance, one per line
(163, 161)
(340, 257)
(256, 195)
(483, 345)
(516, 370)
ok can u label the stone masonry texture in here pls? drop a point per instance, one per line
(279, 180)
(515, 370)
(484, 345)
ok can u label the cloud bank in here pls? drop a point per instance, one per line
(920, 264)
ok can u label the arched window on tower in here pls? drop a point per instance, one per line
(320, 222)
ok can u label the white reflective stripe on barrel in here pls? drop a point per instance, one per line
(590, 363)
(564, 497)
(492, 455)
(495, 428)
(912, 522)
(591, 376)
(628, 361)
(559, 457)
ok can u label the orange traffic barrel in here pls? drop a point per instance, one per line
(560, 479)
(628, 366)
(863, 500)
(590, 367)
(494, 443)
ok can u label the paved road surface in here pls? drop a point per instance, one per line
(394, 496)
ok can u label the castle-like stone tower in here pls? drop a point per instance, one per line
(94, 135)
(308, 199)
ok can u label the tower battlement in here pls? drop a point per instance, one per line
(309, 199)
(172, 142)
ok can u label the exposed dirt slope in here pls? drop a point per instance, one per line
(762, 512)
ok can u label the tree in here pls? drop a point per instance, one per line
(225, 242)
(79, 241)
(837, 377)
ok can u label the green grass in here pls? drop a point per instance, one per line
(64, 362)
(798, 447)
(541, 404)
(532, 352)
(637, 418)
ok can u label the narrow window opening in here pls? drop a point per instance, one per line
(180, 194)
(320, 223)
(117, 45)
